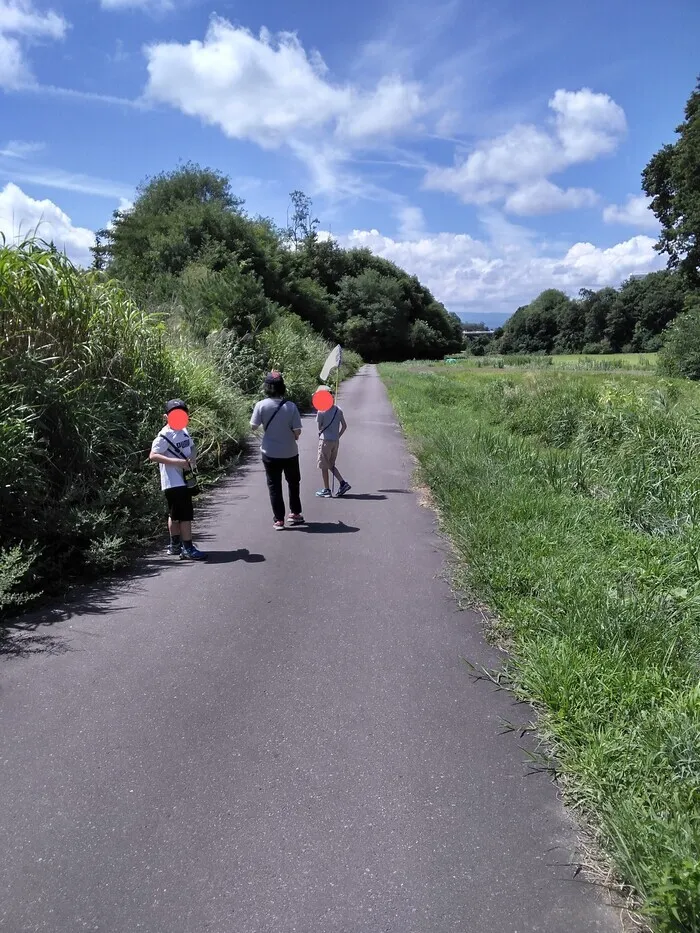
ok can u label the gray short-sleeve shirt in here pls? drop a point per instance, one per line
(329, 423)
(278, 440)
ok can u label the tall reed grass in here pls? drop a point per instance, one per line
(84, 374)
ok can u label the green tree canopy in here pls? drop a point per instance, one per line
(672, 181)
(188, 242)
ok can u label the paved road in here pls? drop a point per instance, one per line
(282, 741)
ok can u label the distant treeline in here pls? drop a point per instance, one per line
(630, 319)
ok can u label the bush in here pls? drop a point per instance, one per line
(680, 354)
(84, 374)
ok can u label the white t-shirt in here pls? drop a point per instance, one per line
(170, 476)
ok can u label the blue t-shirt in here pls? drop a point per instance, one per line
(278, 440)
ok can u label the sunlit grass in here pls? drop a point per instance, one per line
(574, 500)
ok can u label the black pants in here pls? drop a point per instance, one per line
(275, 467)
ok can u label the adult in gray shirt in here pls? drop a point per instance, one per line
(281, 422)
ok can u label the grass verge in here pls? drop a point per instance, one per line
(573, 501)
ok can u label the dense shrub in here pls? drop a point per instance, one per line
(680, 354)
(84, 373)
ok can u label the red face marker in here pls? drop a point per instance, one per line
(178, 419)
(322, 400)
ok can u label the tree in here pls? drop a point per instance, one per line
(188, 215)
(596, 308)
(425, 341)
(303, 226)
(534, 327)
(376, 320)
(187, 243)
(680, 354)
(672, 181)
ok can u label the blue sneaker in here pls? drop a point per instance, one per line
(190, 552)
(344, 487)
(173, 550)
(324, 494)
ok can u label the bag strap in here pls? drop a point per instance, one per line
(173, 447)
(325, 428)
(276, 412)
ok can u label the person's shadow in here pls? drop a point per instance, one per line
(326, 528)
(364, 496)
(228, 557)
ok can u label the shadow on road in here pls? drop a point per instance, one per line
(228, 557)
(406, 492)
(363, 496)
(326, 528)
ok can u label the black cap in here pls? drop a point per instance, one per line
(174, 404)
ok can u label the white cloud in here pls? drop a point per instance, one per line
(65, 181)
(634, 213)
(19, 19)
(22, 216)
(14, 71)
(150, 6)
(544, 197)
(588, 125)
(268, 89)
(391, 107)
(515, 166)
(411, 222)
(508, 268)
(19, 149)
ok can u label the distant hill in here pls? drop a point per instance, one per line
(492, 319)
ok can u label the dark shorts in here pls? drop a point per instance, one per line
(179, 503)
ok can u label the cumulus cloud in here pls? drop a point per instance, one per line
(20, 20)
(508, 267)
(633, 213)
(515, 166)
(22, 216)
(544, 197)
(268, 89)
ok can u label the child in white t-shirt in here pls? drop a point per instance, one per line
(175, 452)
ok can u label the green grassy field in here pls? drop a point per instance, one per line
(613, 362)
(573, 499)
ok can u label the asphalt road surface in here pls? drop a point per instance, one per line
(283, 740)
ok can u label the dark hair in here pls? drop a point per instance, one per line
(275, 389)
(274, 386)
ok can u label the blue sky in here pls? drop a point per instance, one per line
(493, 149)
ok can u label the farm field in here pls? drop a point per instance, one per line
(573, 499)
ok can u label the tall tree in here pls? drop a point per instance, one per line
(303, 225)
(672, 181)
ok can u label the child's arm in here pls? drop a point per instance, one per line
(343, 425)
(158, 455)
(168, 461)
